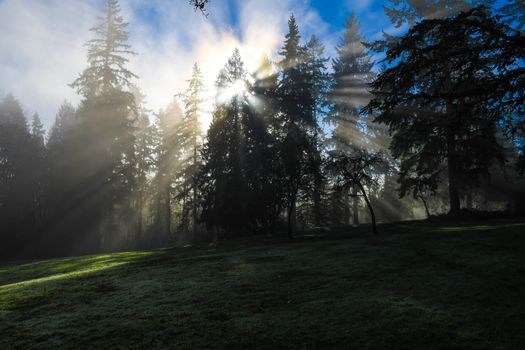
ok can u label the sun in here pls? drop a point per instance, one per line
(237, 88)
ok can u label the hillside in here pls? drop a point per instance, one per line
(417, 285)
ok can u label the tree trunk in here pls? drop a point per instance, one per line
(372, 214)
(453, 181)
(346, 207)
(168, 213)
(355, 206)
(291, 218)
(426, 206)
(139, 220)
(317, 203)
(469, 200)
(194, 184)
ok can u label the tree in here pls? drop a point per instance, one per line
(317, 84)
(106, 55)
(223, 175)
(406, 11)
(62, 206)
(143, 163)
(450, 82)
(105, 133)
(40, 170)
(200, 5)
(168, 156)
(190, 140)
(298, 119)
(411, 11)
(19, 187)
(357, 168)
(264, 163)
(352, 71)
(514, 13)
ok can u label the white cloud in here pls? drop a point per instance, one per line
(41, 44)
(41, 50)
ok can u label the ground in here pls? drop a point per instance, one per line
(416, 286)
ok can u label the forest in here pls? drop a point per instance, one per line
(426, 124)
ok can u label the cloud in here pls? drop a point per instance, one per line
(41, 52)
(42, 44)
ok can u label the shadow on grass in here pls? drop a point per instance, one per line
(417, 285)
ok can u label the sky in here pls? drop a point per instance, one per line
(41, 41)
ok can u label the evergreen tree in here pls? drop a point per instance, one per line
(106, 55)
(168, 155)
(37, 130)
(443, 96)
(18, 180)
(62, 184)
(144, 165)
(514, 13)
(352, 71)
(297, 99)
(411, 11)
(190, 140)
(105, 134)
(40, 170)
(317, 82)
(264, 164)
(224, 155)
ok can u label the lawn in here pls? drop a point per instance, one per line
(416, 286)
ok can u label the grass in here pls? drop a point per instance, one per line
(417, 286)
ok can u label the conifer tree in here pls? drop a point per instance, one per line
(168, 156)
(317, 84)
(411, 11)
(105, 133)
(61, 182)
(224, 155)
(443, 97)
(144, 164)
(352, 71)
(18, 179)
(190, 140)
(514, 14)
(40, 170)
(297, 99)
(264, 163)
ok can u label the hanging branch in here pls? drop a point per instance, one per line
(200, 5)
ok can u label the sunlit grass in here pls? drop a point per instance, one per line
(416, 286)
(478, 227)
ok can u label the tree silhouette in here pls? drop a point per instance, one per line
(450, 82)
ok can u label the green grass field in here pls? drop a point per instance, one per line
(417, 286)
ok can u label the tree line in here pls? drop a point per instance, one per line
(437, 126)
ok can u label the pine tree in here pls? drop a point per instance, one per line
(317, 82)
(223, 175)
(411, 11)
(40, 170)
(18, 180)
(444, 99)
(190, 140)
(105, 134)
(143, 163)
(168, 155)
(37, 130)
(106, 55)
(297, 100)
(352, 71)
(514, 14)
(62, 183)
(264, 164)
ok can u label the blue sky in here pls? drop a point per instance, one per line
(41, 42)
